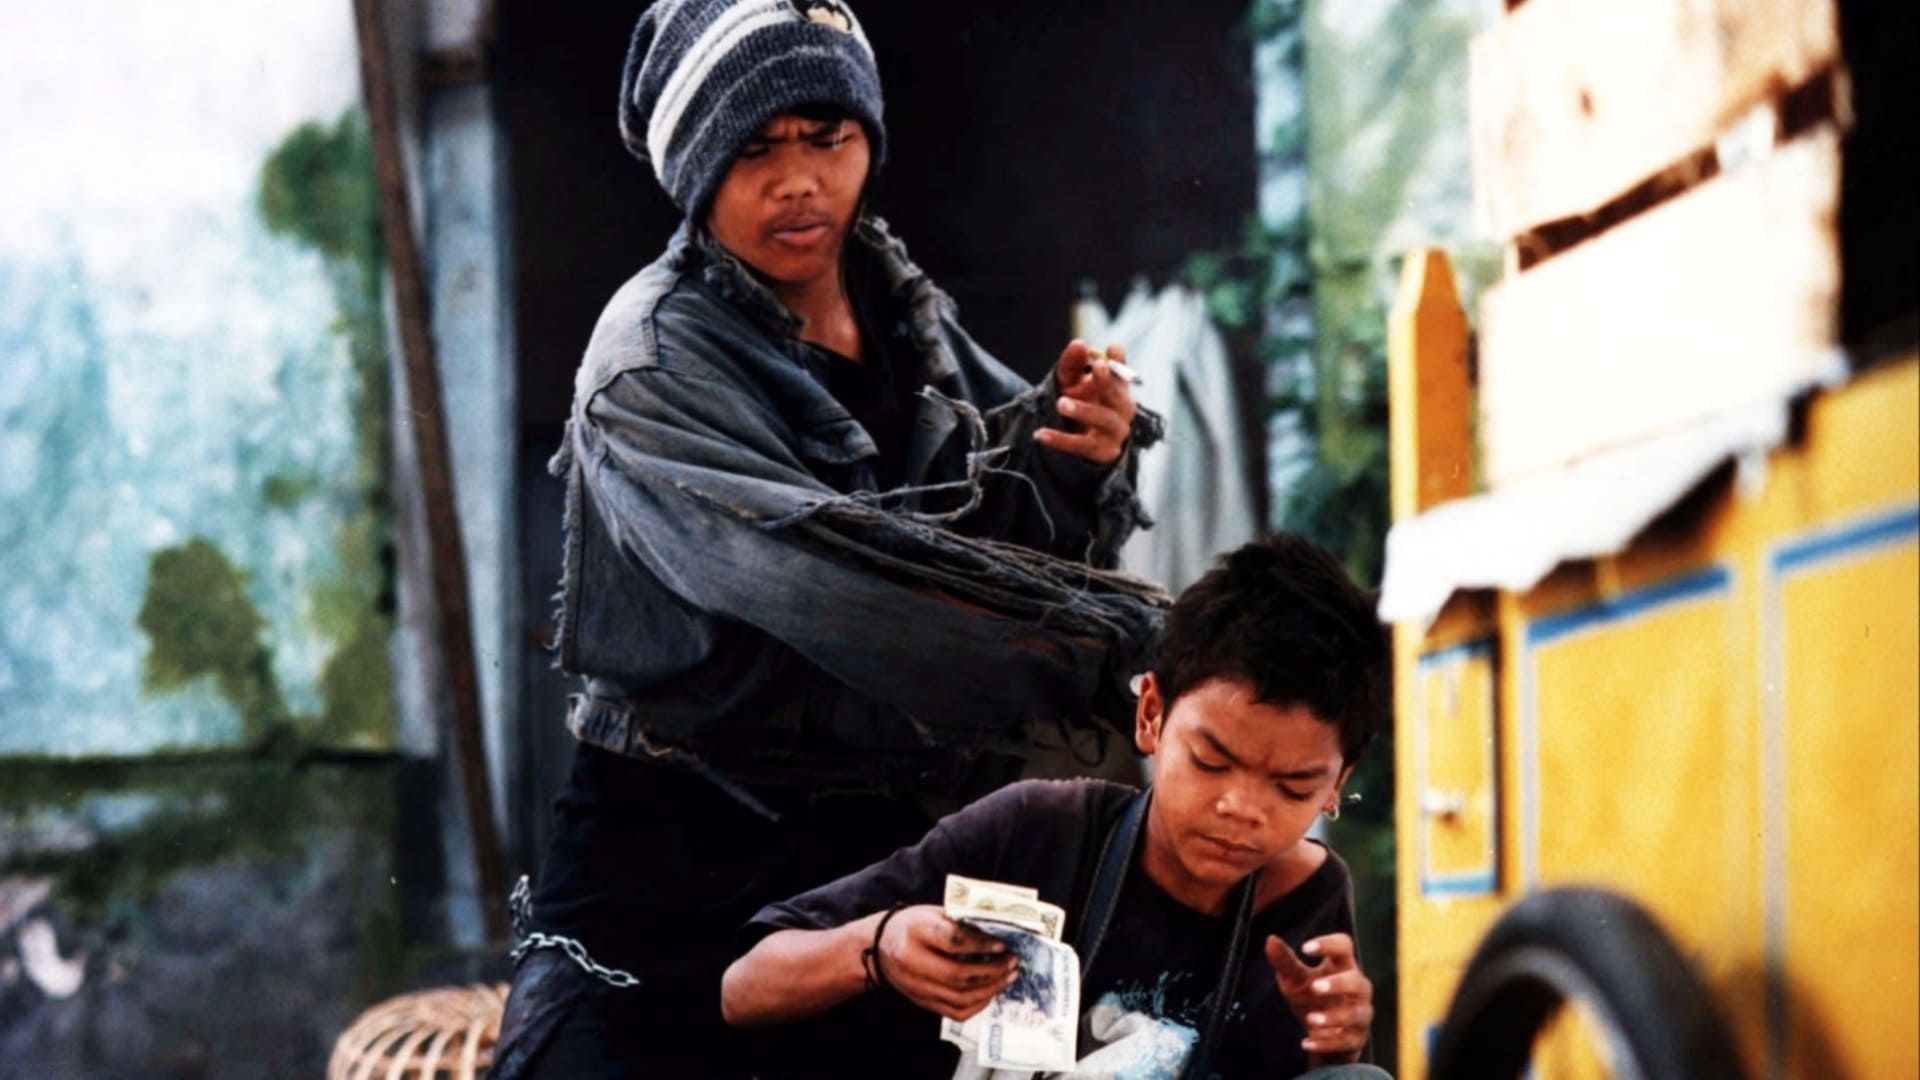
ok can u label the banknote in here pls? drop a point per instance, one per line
(960, 886)
(970, 900)
(1033, 1024)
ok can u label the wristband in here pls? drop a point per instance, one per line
(870, 956)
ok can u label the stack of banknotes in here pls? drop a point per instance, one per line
(1033, 1024)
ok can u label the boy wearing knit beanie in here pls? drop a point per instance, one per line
(827, 561)
(702, 76)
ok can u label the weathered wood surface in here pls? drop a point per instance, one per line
(426, 418)
(1724, 296)
(1429, 427)
(1575, 101)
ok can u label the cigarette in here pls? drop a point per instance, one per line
(1118, 368)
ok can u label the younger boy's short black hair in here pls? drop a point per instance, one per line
(1281, 615)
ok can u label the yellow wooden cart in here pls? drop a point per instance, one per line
(1655, 567)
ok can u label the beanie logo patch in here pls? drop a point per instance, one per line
(826, 13)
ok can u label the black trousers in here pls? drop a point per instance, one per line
(656, 871)
(561, 1022)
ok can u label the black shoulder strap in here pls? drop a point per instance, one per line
(1200, 1062)
(1110, 871)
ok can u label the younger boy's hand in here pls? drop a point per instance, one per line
(1333, 1000)
(941, 965)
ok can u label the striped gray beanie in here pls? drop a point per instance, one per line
(702, 76)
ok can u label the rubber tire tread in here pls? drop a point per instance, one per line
(1662, 1011)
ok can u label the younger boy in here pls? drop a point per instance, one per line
(1266, 685)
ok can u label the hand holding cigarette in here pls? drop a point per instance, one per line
(1096, 403)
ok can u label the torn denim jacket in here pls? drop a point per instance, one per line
(742, 601)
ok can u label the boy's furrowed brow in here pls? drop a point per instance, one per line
(1318, 772)
(1219, 747)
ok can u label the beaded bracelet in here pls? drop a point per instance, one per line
(870, 956)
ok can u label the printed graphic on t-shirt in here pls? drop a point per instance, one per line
(1130, 1040)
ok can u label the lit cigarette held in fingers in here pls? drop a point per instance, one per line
(1115, 366)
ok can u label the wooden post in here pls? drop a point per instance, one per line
(1430, 456)
(428, 423)
(1429, 399)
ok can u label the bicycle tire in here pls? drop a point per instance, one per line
(1599, 949)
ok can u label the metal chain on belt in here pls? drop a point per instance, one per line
(520, 911)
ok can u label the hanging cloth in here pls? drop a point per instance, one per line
(1194, 485)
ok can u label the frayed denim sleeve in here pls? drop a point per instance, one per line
(969, 636)
(1055, 502)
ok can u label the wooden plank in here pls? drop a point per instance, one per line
(1575, 101)
(1725, 296)
(1430, 399)
(421, 366)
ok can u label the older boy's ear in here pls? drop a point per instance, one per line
(1148, 716)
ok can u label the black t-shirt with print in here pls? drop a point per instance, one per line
(1162, 961)
(1154, 974)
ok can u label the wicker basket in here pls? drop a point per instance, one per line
(429, 1035)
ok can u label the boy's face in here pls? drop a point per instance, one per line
(1236, 784)
(790, 196)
